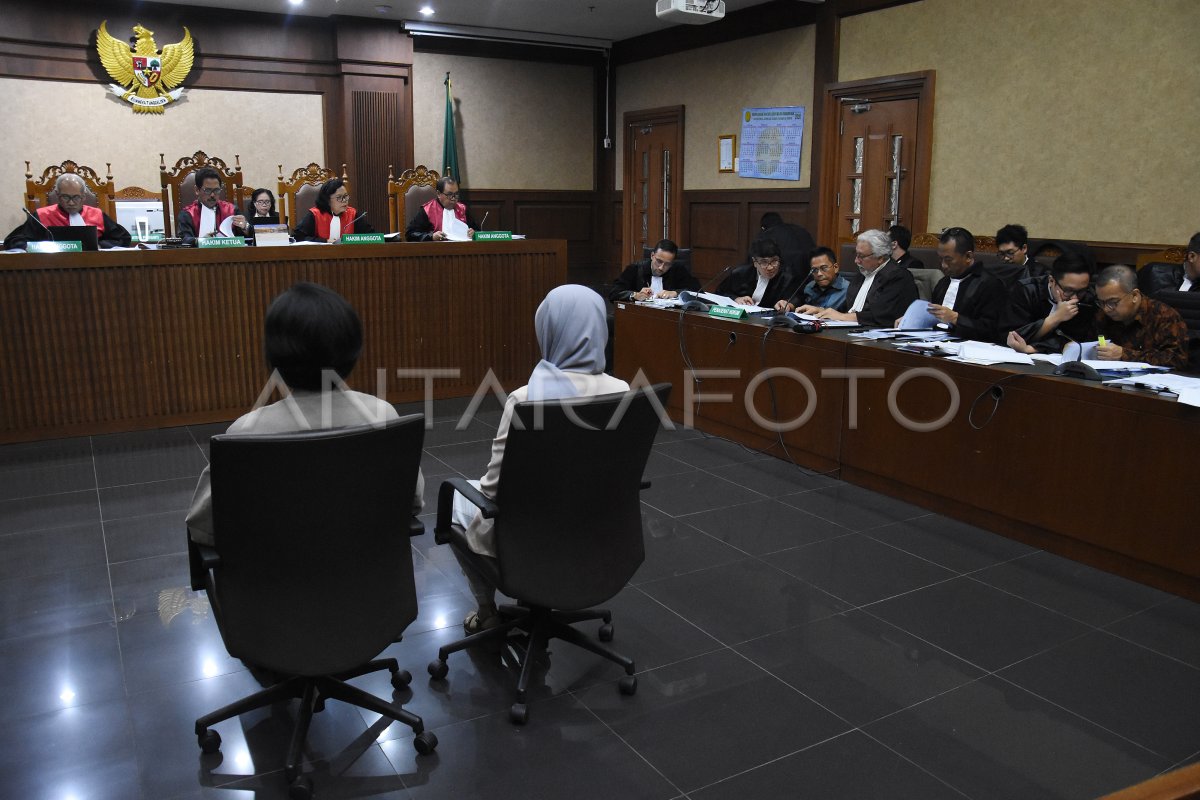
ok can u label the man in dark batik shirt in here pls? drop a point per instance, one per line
(1136, 327)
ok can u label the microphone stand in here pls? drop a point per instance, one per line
(691, 303)
(38, 220)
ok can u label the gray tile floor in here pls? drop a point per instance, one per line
(795, 636)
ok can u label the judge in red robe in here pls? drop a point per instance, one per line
(70, 210)
(428, 223)
(204, 217)
(332, 216)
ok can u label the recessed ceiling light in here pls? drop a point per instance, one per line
(295, 2)
(427, 10)
(383, 9)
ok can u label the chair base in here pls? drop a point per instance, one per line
(313, 691)
(540, 625)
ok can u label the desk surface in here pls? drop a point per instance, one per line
(113, 341)
(1091, 472)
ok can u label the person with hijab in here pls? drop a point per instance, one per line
(572, 331)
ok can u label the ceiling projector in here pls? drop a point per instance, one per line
(690, 12)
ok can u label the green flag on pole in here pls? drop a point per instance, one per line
(450, 142)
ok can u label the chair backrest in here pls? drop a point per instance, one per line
(1158, 276)
(40, 192)
(298, 193)
(312, 529)
(179, 185)
(1188, 306)
(569, 533)
(683, 258)
(413, 189)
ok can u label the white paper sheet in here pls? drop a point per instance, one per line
(455, 230)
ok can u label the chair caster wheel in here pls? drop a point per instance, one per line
(301, 789)
(209, 741)
(519, 713)
(606, 633)
(628, 685)
(425, 743)
(401, 679)
(438, 669)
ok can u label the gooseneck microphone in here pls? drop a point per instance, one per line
(38, 220)
(691, 301)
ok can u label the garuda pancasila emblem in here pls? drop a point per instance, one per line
(145, 77)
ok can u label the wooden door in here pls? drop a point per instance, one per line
(653, 178)
(877, 146)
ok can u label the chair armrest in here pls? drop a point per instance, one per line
(446, 503)
(202, 559)
(645, 485)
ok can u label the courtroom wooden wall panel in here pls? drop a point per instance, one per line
(378, 129)
(99, 342)
(719, 225)
(1089, 464)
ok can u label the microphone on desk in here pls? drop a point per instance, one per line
(1076, 368)
(483, 221)
(356, 219)
(38, 220)
(691, 302)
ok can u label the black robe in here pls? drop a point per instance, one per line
(637, 276)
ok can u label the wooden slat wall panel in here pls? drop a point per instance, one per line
(101, 342)
(377, 128)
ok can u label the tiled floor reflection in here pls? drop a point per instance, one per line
(795, 637)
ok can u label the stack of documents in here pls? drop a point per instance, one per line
(1187, 388)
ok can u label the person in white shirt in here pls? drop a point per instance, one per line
(571, 330)
(311, 334)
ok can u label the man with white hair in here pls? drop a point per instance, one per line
(879, 292)
(70, 210)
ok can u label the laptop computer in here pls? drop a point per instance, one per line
(76, 233)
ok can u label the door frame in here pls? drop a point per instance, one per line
(649, 116)
(918, 85)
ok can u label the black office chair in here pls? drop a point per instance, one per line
(1188, 306)
(312, 574)
(568, 523)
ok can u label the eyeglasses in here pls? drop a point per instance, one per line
(865, 256)
(825, 268)
(662, 262)
(1067, 293)
(210, 192)
(262, 201)
(765, 262)
(451, 195)
(71, 198)
(341, 198)
(1111, 304)
(1009, 255)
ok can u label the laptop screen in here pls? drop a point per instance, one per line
(76, 233)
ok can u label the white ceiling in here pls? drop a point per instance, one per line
(613, 20)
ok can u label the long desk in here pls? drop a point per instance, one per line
(1097, 474)
(115, 341)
